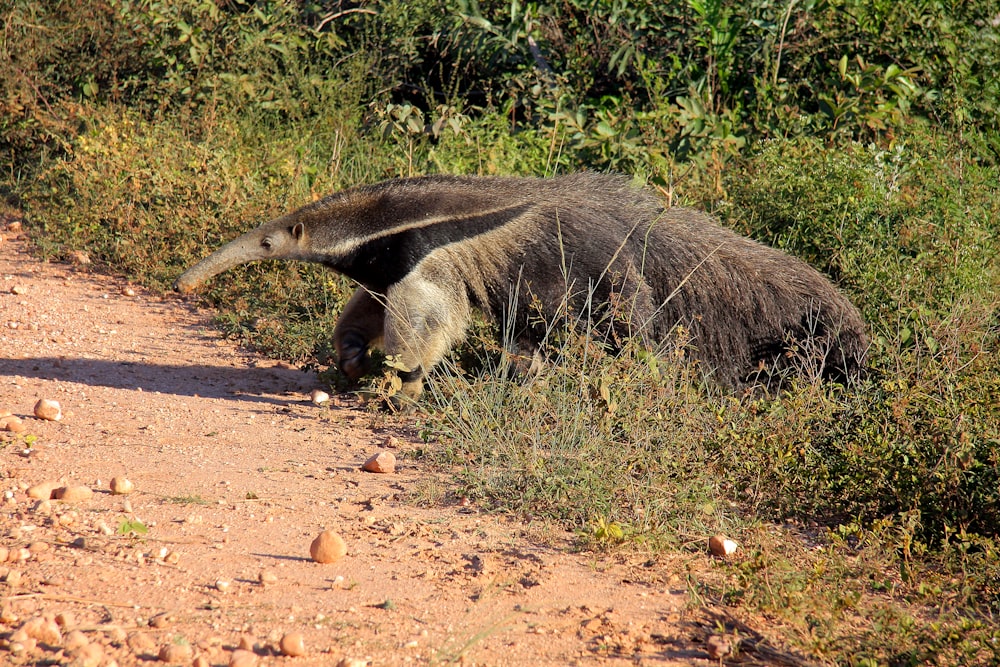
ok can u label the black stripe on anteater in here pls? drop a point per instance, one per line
(387, 259)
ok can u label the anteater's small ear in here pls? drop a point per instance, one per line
(298, 230)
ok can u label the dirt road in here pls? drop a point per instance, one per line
(235, 472)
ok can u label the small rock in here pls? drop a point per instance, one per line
(121, 486)
(201, 661)
(319, 397)
(14, 226)
(246, 642)
(383, 462)
(13, 578)
(293, 644)
(13, 424)
(352, 662)
(160, 621)
(141, 644)
(73, 494)
(78, 257)
(43, 630)
(65, 619)
(42, 491)
(721, 546)
(19, 289)
(243, 658)
(718, 647)
(176, 653)
(90, 655)
(48, 410)
(128, 290)
(222, 585)
(328, 547)
(267, 577)
(75, 640)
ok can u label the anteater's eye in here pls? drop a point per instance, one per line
(266, 244)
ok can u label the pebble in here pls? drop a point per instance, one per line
(75, 640)
(382, 462)
(73, 494)
(319, 397)
(293, 644)
(176, 653)
(222, 585)
(42, 491)
(718, 647)
(66, 619)
(121, 486)
(246, 642)
(43, 630)
(78, 257)
(140, 643)
(90, 655)
(267, 577)
(48, 410)
(12, 423)
(328, 547)
(243, 658)
(721, 546)
(352, 662)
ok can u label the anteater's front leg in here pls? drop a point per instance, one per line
(426, 314)
(360, 327)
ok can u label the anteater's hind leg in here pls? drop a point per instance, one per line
(424, 319)
(360, 327)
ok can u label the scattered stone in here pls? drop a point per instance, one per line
(13, 578)
(19, 289)
(90, 655)
(267, 577)
(352, 662)
(721, 546)
(718, 647)
(14, 227)
(246, 642)
(65, 619)
(176, 653)
(13, 424)
(42, 491)
(73, 494)
(121, 486)
(383, 462)
(328, 547)
(141, 644)
(243, 658)
(78, 257)
(75, 640)
(128, 290)
(319, 397)
(43, 630)
(160, 621)
(293, 644)
(201, 661)
(222, 585)
(48, 410)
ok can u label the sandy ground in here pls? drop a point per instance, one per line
(235, 472)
